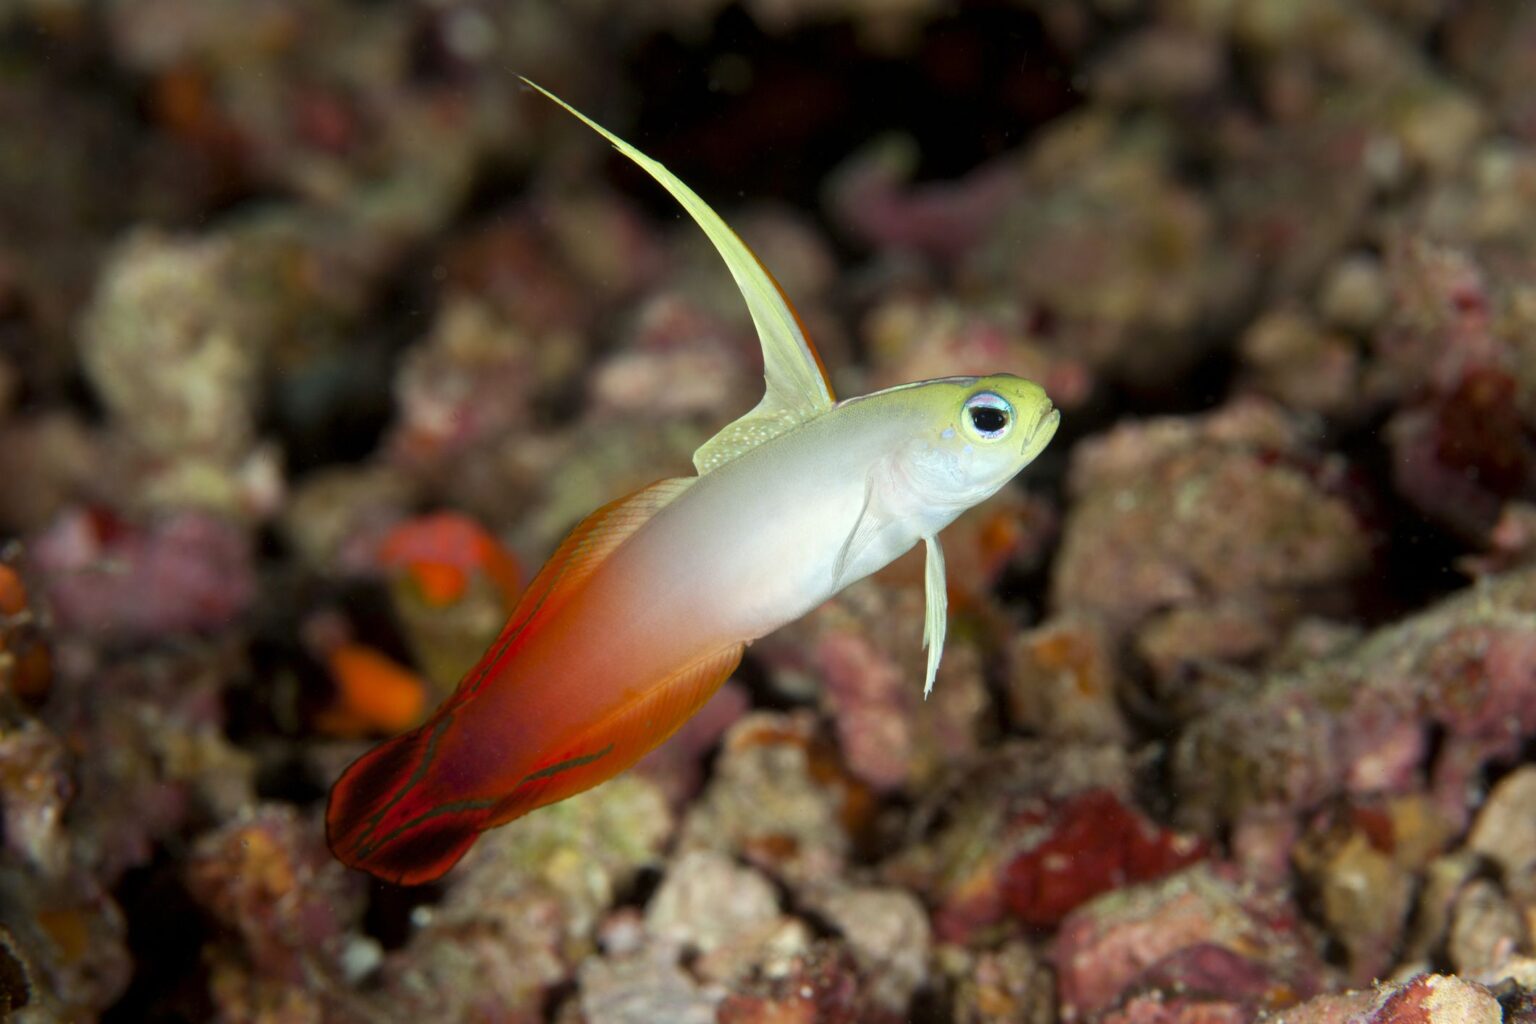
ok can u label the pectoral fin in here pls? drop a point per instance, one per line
(864, 530)
(797, 388)
(937, 618)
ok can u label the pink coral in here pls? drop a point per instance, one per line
(1202, 930)
(1360, 725)
(180, 572)
(1228, 518)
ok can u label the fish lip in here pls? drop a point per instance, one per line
(1040, 436)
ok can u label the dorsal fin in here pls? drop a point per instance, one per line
(796, 382)
(578, 556)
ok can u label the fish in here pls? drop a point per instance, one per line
(647, 607)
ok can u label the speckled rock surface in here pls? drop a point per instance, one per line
(318, 331)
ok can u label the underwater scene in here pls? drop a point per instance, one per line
(768, 511)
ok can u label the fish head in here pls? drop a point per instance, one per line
(971, 435)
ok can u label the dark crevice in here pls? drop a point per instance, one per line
(1415, 563)
(742, 113)
(764, 696)
(340, 405)
(1201, 388)
(166, 934)
(641, 887)
(391, 909)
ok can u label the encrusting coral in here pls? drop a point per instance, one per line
(317, 333)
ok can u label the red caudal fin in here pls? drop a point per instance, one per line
(409, 809)
(386, 815)
(404, 812)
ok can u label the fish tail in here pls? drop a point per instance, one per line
(410, 808)
(389, 816)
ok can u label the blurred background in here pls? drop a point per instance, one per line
(318, 330)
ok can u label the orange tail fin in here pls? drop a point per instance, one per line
(386, 817)
(394, 815)
(410, 808)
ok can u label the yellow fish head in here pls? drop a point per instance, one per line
(973, 435)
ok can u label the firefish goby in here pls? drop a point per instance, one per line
(646, 608)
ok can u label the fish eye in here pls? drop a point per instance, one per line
(989, 415)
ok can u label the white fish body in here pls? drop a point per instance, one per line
(647, 606)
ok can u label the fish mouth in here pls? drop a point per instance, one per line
(1045, 429)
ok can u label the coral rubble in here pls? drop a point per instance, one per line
(318, 331)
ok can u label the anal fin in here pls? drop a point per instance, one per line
(619, 739)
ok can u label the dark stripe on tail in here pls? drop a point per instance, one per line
(566, 765)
